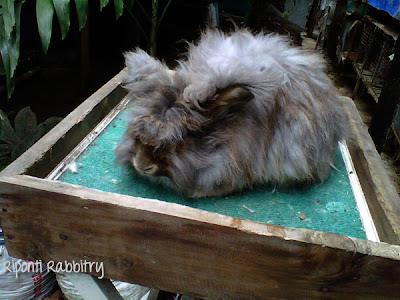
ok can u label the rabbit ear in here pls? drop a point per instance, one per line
(230, 98)
(140, 65)
(145, 73)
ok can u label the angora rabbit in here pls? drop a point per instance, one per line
(240, 110)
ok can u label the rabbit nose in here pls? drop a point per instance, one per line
(149, 169)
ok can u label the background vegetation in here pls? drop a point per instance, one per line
(10, 14)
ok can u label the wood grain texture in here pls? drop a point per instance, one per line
(181, 249)
(382, 198)
(44, 155)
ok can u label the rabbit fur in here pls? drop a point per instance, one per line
(239, 110)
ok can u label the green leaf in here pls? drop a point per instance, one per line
(62, 11)
(8, 16)
(9, 48)
(5, 47)
(21, 147)
(7, 133)
(16, 31)
(45, 127)
(18, 7)
(129, 4)
(82, 10)
(119, 8)
(34, 136)
(15, 38)
(25, 122)
(6, 65)
(103, 4)
(44, 15)
(5, 149)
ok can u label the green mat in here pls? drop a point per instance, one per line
(327, 207)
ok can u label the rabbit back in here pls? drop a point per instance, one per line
(247, 109)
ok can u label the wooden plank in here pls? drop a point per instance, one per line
(362, 206)
(77, 151)
(335, 28)
(357, 26)
(382, 198)
(386, 29)
(185, 250)
(42, 157)
(311, 18)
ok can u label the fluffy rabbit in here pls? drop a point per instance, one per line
(240, 110)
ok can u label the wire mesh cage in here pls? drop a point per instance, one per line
(374, 55)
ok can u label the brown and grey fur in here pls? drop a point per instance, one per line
(240, 110)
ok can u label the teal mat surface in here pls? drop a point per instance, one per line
(329, 207)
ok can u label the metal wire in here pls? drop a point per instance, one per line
(373, 56)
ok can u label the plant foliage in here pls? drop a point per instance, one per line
(10, 14)
(26, 131)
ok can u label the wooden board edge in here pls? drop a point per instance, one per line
(44, 147)
(362, 205)
(83, 144)
(325, 239)
(382, 198)
(182, 249)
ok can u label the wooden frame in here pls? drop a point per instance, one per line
(186, 250)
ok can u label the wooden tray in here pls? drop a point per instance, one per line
(191, 251)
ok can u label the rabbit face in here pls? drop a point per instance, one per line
(240, 110)
(147, 160)
(143, 159)
(145, 142)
